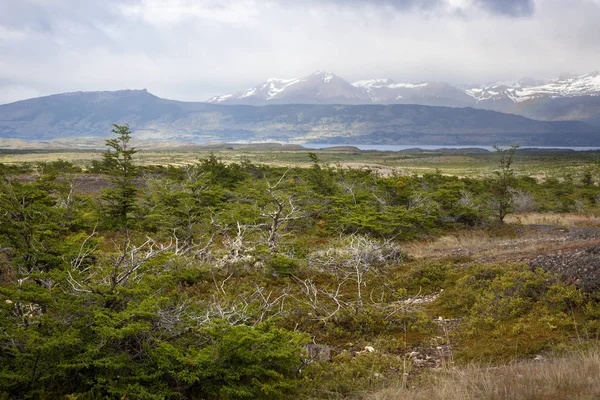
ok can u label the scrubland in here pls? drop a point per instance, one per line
(294, 274)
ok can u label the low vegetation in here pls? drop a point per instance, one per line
(240, 280)
(574, 377)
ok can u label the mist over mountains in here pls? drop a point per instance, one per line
(90, 114)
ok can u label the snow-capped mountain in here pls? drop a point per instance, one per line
(425, 93)
(563, 98)
(326, 87)
(316, 88)
(521, 91)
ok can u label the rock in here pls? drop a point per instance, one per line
(581, 266)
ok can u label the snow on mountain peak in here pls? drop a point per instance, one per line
(407, 85)
(324, 86)
(219, 99)
(369, 83)
(325, 76)
(528, 89)
(386, 83)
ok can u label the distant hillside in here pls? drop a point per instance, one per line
(90, 114)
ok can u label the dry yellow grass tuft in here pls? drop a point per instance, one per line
(583, 220)
(524, 236)
(474, 240)
(482, 244)
(575, 377)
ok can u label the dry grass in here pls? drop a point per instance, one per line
(482, 244)
(514, 242)
(444, 245)
(574, 377)
(582, 220)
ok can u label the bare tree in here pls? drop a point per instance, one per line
(355, 257)
(501, 190)
(128, 265)
(237, 243)
(252, 308)
(323, 302)
(278, 213)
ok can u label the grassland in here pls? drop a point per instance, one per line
(536, 164)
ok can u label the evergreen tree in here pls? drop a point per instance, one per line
(121, 198)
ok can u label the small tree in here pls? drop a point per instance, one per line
(320, 177)
(119, 165)
(501, 189)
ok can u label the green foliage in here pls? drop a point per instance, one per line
(29, 224)
(58, 166)
(509, 311)
(320, 177)
(121, 198)
(282, 265)
(56, 344)
(237, 362)
(13, 169)
(193, 299)
(428, 277)
(218, 173)
(348, 376)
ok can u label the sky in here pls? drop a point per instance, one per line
(191, 50)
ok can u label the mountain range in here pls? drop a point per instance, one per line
(74, 117)
(567, 98)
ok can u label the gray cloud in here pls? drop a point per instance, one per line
(508, 8)
(512, 8)
(397, 4)
(193, 49)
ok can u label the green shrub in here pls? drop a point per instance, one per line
(236, 362)
(426, 277)
(282, 265)
(347, 376)
(509, 311)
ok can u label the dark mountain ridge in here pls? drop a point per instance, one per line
(90, 114)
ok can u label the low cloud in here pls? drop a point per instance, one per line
(191, 50)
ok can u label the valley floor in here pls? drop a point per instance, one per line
(460, 163)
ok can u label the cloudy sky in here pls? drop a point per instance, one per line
(193, 49)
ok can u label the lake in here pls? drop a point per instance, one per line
(387, 147)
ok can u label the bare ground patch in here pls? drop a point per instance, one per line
(520, 244)
(582, 220)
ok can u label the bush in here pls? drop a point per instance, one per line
(509, 311)
(237, 362)
(348, 376)
(282, 265)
